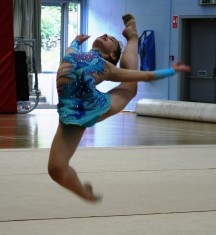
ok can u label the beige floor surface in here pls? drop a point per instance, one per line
(146, 190)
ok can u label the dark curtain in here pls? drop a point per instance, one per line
(27, 24)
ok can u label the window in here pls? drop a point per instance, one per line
(61, 21)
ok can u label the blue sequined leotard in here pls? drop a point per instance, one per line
(80, 103)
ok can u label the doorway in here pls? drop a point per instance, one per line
(198, 43)
(60, 23)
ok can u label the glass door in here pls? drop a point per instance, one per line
(50, 37)
(60, 23)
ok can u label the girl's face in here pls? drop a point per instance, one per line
(106, 44)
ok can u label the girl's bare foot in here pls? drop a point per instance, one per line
(130, 26)
(89, 194)
(128, 19)
(129, 32)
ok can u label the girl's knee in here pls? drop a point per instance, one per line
(56, 172)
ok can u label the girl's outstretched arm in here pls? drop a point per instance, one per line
(125, 75)
(75, 44)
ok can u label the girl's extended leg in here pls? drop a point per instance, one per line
(122, 94)
(64, 145)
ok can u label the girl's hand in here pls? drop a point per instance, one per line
(179, 67)
(82, 38)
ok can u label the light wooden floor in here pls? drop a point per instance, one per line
(36, 130)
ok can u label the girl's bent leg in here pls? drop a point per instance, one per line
(64, 145)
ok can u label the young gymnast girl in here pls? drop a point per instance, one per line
(81, 105)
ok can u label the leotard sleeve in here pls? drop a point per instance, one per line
(74, 47)
(75, 44)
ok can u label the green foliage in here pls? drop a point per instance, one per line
(51, 33)
(50, 26)
(73, 7)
